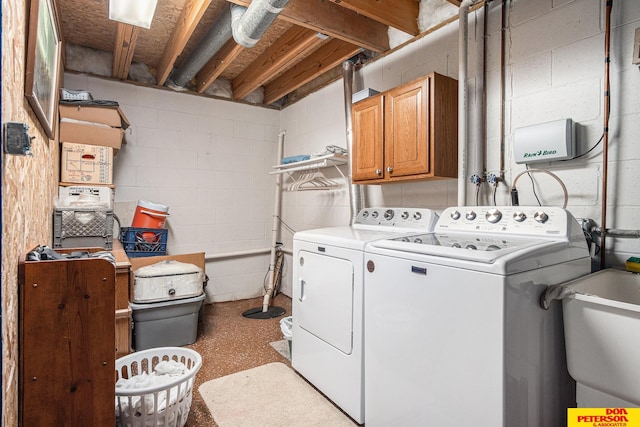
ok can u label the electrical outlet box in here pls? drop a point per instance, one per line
(636, 47)
(544, 142)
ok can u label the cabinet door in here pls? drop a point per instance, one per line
(368, 139)
(406, 139)
(67, 337)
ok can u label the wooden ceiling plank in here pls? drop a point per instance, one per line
(216, 65)
(335, 21)
(400, 14)
(189, 17)
(125, 45)
(326, 57)
(292, 45)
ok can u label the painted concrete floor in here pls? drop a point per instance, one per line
(229, 342)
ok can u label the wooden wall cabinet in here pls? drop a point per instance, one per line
(407, 133)
(66, 336)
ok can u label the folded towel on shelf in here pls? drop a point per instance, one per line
(329, 149)
(293, 159)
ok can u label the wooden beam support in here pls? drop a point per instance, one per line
(456, 3)
(216, 65)
(400, 14)
(286, 51)
(335, 21)
(326, 57)
(126, 37)
(189, 17)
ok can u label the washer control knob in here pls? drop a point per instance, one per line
(493, 215)
(470, 215)
(471, 247)
(365, 214)
(388, 214)
(374, 214)
(417, 216)
(455, 215)
(519, 216)
(541, 217)
(405, 215)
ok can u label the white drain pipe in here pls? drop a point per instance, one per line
(463, 99)
(275, 228)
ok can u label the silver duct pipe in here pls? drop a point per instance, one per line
(219, 33)
(250, 24)
(356, 195)
(245, 25)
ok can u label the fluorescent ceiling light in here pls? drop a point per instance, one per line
(134, 12)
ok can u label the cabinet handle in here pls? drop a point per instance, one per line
(389, 169)
(378, 171)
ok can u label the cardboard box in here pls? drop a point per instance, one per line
(86, 164)
(110, 116)
(91, 134)
(93, 125)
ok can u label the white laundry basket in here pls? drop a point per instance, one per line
(166, 405)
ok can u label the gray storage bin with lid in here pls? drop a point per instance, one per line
(166, 323)
(166, 300)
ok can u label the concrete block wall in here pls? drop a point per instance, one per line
(208, 160)
(554, 70)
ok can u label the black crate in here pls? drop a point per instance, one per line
(141, 242)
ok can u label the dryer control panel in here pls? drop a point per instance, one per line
(402, 218)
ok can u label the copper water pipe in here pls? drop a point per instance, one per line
(605, 138)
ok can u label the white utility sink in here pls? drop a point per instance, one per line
(602, 334)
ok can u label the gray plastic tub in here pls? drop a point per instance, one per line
(166, 323)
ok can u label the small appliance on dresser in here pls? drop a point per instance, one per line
(454, 331)
(327, 342)
(166, 298)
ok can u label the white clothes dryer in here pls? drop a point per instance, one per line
(454, 333)
(327, 306)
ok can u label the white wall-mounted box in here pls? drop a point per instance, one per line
(544, 142)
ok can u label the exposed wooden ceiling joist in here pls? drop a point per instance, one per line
(189, 18)
(289, 61)
(335, 21)
(326, 57)
(295, 43)
(125, 45)
(400, 14)
(216, 65)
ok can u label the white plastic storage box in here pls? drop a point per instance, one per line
(166, 323)
(82, 228)
(75, 195)
(167, 280)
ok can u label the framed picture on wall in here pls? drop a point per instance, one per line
(43, 63)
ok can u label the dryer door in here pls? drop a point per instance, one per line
(324, 304)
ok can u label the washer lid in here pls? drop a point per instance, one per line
(472, 247)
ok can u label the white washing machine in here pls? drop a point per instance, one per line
(454, 332)
(327, 343)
